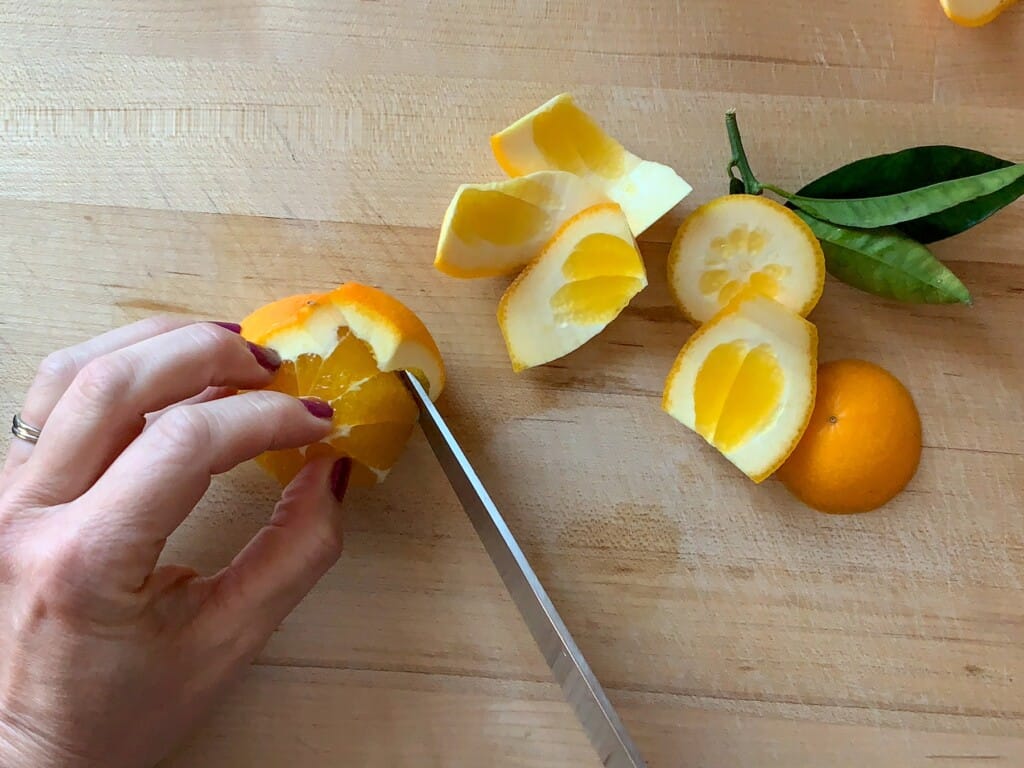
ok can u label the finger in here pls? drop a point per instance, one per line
(153, 485)
(104, 408)
(207, 395)
(58, 370)
(285, 560)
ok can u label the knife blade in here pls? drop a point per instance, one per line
(570, 669)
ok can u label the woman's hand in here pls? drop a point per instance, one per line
(107, 659)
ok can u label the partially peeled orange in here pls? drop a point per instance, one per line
(347, 347)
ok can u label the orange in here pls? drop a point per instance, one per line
(862, 445)
(346, 347)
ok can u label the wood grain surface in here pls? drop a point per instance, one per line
(204, 156)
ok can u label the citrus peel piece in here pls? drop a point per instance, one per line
(974, 13)
(498, 228)
(559, 135)
(582, 279)
(740, 243)
(745, 382)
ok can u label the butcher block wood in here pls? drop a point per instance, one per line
(201, 157)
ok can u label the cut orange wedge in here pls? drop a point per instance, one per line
(560, 136)
(496, 229)
(745, 382)
(582, 279)
(346, 347)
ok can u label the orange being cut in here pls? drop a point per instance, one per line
(346, 347)
(560, 136)
(862, 445)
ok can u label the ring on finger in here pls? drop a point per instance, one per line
(24, 431)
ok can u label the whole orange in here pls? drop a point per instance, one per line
(862, 445)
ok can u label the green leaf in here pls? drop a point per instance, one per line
(885, 210)
(886, 263)
(920, 167)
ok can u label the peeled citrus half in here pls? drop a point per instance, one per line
(740, 242)
(583, 278)
(560, 136)
(496, 229)
(974, 13)
(745, 382)
(346, 347)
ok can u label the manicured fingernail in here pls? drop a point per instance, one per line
(319, 408)
(233, 327)
(265, 356)
(340, 473)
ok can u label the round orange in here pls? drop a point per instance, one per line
(862, 445)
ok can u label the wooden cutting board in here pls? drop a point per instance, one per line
(202, 158)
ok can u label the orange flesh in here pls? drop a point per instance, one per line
(495, 217)
(736, 394)
(571, 141)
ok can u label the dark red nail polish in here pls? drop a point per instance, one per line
(319, 408)
(265, 356)
(233, 327)
(340, 473)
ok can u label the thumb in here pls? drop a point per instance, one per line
(285, 560)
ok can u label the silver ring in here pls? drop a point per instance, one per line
(23, 431)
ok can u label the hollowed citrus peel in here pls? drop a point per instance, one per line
(560, 136)
(745, 382)
(974, 13)
(741, 242)
(347, 347)
(585, 276)
(567, 218)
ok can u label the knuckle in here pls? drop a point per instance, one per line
(183, 430)
(105, 379)
(159, 324)
(213, 341)
(59, 367)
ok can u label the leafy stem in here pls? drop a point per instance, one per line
(739, 156)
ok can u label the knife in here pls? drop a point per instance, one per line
(581, 688)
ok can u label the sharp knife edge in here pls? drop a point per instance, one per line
(581, 688)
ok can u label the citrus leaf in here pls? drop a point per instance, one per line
(920, 167)
(886, 210)
(887, 263)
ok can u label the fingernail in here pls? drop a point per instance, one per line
(319, 408)
(233, 327)
(265, 356)
(340, 473)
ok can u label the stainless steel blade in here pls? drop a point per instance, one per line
(582, 690)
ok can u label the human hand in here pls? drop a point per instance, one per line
(106, 658)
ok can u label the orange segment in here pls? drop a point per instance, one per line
(346, 347)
